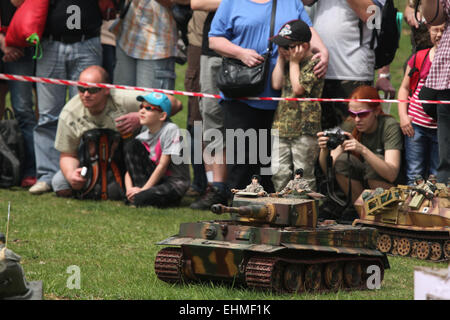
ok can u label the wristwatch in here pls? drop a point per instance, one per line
(384, 75)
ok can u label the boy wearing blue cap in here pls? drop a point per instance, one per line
(152, 177)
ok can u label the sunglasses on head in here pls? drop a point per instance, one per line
(150, 107)
(360, 114)
(91, 90)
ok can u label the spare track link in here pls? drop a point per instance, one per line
(168, 265)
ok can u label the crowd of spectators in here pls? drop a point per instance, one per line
(320, 49)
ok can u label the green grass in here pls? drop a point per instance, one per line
(115, 245)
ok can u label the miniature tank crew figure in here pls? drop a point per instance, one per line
(253, 187)
(297, 184)
(423, 187)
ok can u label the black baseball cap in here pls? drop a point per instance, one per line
(292, 31)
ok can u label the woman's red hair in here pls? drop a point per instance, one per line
(367, 92)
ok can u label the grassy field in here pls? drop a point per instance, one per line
(115, 246)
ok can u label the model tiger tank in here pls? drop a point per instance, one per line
(272, 243)
(411, 221)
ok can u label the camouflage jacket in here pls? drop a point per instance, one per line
(294, 185)
(293, 118)
(254, 188)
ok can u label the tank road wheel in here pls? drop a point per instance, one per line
(313, 277)
(293, 278)
(414, 249)
(436, 251)
(394, 250)
(263, 273)
(353, 274)
(404, 247)
(168, 265)
(423, 250)
(447, 249)
(384, 243)
(333, 275)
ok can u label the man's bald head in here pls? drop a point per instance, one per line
(94, 74)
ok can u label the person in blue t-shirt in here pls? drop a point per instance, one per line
(240, 30)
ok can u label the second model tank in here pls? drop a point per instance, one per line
(411, 221)
(275, 244)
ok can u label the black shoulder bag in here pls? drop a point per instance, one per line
(235, 79)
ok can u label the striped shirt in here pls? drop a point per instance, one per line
(148, 31)
(439, 78)
(415, 110)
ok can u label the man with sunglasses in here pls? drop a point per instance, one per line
(92, 108)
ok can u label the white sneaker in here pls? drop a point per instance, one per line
(40, 187)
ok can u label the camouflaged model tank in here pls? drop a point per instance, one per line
(410, 222)
(272, 243)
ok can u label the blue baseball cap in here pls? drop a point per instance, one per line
(157, 99)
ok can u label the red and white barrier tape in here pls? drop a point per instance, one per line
(5, 76)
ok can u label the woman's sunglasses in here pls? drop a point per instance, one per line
(360, 114)
(150, 107)
(91, 90)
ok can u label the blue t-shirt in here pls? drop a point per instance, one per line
(247, 24)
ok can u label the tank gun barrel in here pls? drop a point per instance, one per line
(263, 212)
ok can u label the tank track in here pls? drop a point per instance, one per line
(168, 265)
(418, 245)
(318, 275)
(280, 274)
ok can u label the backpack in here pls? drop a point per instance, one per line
(101, 152)
(387, 39)
(414, 73)
(12, 151)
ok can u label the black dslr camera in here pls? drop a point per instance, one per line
(336, 137)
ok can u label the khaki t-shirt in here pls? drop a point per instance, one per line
(75, 119)
(388, 136)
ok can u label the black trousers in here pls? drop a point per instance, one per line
(140, 167)
(238, 115)
(440, 112)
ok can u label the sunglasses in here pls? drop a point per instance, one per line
(91, 90)
(150, 107)
(360, 114)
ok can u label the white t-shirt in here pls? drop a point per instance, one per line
(337, 25)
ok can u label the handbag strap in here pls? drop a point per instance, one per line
(272, 24)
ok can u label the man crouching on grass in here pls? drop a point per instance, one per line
(152, 177)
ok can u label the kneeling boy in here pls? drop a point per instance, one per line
(152, 178)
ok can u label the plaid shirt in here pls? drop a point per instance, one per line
(148, 31)
(439, 77)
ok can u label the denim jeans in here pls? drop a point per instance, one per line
(421, 153)
(158, 74)
(60, 61)
(22, 104)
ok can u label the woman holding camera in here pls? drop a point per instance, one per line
(371, 154)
